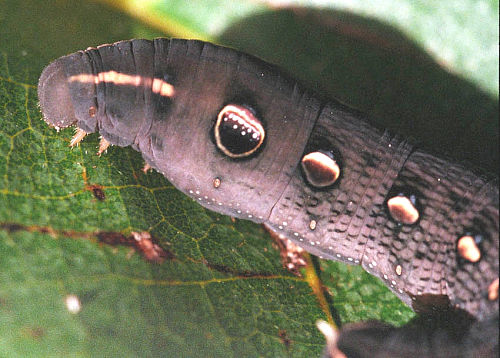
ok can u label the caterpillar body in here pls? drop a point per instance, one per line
(244, 140)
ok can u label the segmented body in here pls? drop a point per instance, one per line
(170, 100)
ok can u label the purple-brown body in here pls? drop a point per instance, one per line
(394, 209)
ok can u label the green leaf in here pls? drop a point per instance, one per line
(225, 293)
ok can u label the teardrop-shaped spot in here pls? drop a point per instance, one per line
(238, 132)
(403, 209)
(320, 168)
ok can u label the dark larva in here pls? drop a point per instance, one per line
(398, 211)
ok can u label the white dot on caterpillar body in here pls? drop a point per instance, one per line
(399, 270)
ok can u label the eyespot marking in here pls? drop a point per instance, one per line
(320, 168)
(217, 183)
(403, 209)
(238, 132)
(312, 224)
(468, 249)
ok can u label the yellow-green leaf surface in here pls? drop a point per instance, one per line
(225, 293)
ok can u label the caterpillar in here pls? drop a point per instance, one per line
(244, 140)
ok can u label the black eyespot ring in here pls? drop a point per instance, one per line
(238, 132)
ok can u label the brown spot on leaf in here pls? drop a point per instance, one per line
(284, 339)
(143, 242)
(97, 191)
(113, 238)
(149, 249)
